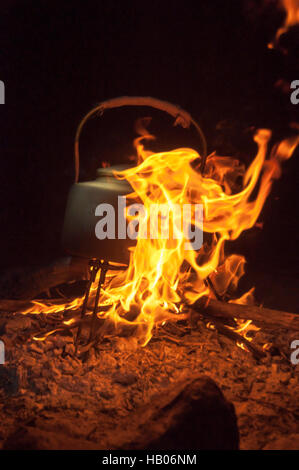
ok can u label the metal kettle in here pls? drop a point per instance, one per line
(78, 234)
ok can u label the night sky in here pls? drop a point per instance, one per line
(60, 58)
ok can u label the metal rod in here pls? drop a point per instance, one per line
(104, 268)
(208, 282)
(94, 267)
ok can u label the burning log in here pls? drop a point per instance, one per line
(261, 316)
(237, 338)
(193, 414)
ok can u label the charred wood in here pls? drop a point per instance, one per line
(261, 316)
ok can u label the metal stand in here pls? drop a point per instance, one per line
(95, 265)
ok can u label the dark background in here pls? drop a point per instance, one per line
(59, 58)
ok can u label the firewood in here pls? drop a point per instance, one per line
(27, 283)
(192, 414)
(237, 338)
(264, 317)
(24, 285)
(261, 316)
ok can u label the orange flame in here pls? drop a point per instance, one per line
(292, 15)
(162, 274)
(291, 8)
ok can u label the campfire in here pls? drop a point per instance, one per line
(179, 281)
(167, 279)
(151, 329)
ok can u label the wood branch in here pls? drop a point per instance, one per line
(261, 316)
(237, 338)
(192, 414)
(27, 283)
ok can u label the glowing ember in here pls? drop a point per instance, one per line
(162, 275)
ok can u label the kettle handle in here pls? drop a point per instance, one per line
(182, 118)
